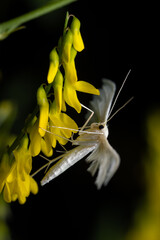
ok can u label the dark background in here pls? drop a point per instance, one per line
(117, 38)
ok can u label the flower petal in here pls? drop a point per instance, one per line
(35, 144)
(53, 68)
(5, 169)
(77, 38)
(46, 147)
(44, 110)
(13, 174)
(50, 136)
(70, 97)
(58, 85)
(34, 186)
(67, 44)
(43, 119)
(63, 104)
(70, 72)
(56, 133)
(86, 87)
(68, 123)
(7, 193)
(78, 42)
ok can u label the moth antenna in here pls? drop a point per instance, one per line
(119, 109)
(119, 92)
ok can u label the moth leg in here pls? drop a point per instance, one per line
(47, 164)
(91, 115)
(59, 135)
(64, 149)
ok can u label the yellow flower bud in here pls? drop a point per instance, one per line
(67, 44)
(54, 64)
(41, 96)
(44, 110)
(77, 38)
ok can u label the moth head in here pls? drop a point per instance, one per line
(101, 127)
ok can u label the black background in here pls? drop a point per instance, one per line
(117, 37)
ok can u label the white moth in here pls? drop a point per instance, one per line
(103, 159)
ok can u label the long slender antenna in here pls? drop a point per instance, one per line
(120, 109)
(119, 92)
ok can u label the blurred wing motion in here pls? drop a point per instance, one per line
(101, 104)
(105, 160)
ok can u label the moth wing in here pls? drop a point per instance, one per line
(101, 104)
(105, 160)
(69, 159)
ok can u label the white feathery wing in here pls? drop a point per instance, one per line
(69, 159)
(101, 104)
(103, 158)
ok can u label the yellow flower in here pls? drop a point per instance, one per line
(18, 188)
(77, 38)
(18, 183)
(44, 110)
(37, 143)
(71, 84)
(54, 64)
(60, 120)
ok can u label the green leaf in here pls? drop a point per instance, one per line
(13, 25)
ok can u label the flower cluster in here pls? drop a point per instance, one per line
(15, 175)
(50, 123)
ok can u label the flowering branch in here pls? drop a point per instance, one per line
(38, 133)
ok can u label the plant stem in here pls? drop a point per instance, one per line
(66, 22)
(10, 26)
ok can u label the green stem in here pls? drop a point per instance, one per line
(12, 25)
(66, 23)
